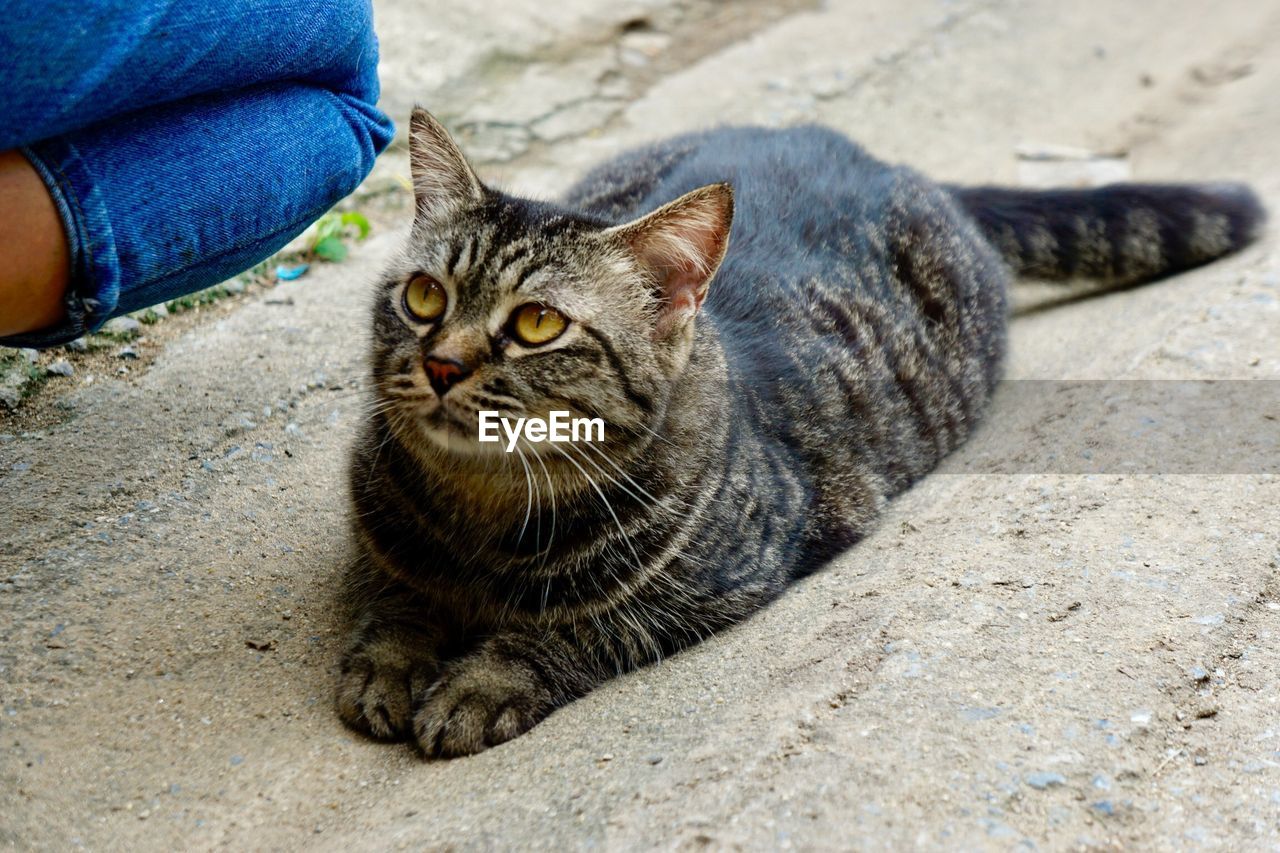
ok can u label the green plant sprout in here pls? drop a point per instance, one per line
(333, 230)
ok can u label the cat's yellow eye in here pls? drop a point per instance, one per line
(534, 324)
(425, 298)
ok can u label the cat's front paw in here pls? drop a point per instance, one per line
(376, 685)
(479, 702)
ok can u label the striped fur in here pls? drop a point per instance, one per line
(1119, 234)
(851, 338)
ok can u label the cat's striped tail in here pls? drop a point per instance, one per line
(1121, 234)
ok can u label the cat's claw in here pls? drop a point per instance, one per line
(476, 705)
(378, 699)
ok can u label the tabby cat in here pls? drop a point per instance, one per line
(780, 333)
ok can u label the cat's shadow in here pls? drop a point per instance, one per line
(1031, 298)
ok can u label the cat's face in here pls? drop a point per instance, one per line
(508, 307)
(524, 309)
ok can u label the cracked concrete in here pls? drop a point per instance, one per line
(1038, 657)
(538, 73)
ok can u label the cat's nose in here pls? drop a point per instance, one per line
(444, 373)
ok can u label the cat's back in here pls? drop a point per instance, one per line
(809, 204)
(777, 176)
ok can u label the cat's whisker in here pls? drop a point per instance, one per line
(393, 416)
(606, 475)
(528, 479)
(537, 503)
(653, 433)
(607, 505)
(625, 475)
(551, 536)
(688, 499)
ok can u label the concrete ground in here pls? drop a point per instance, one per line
(1033, 655)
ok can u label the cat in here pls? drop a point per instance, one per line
(779, 332)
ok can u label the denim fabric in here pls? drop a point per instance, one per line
(184, 142)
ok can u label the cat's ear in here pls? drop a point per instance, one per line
(442, 178)
(682, 244)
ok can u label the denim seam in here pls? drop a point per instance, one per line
(94, 288)
(79, 241)
(73, 200)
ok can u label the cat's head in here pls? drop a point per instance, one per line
(524, 308)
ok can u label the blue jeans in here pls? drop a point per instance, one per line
(184, 142)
